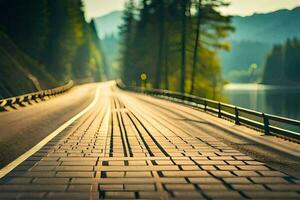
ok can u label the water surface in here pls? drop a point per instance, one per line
(277, 100)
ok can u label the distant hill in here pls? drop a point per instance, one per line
(253, 39)
(108, 30)
(109, 24)
(274, 27)
(251, 42)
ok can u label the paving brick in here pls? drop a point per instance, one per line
(210, 162)
(139, 187)
(284, 187)
(16, 180)
(150, 195)
(80, 188)
(268, 180)
(50, 181)
(75, 174)
(273, 195)
(42, 168)
(87, 162)
(188, 195)
(190, 167)
(111, 187)
(184, 162)
(134, 168)
(226, 167)
(221, 158)
(31, 195)
(204, 180)
(251, 187)
(222, 173)
(138, 174)
(185, 173)
(119, 195)
(32, 188)
(115, 174)
(164, 162)
(223, 194)
(137, 163)
(82, 163)
(236, 180)
(253, 167)
(235, 162)
(72, 195)
(272, 173)
(212, 187)
(246, 173)
(39, 174)
(126, 180)
(176, 187)
(74, 168)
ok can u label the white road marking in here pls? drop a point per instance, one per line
(8, 168)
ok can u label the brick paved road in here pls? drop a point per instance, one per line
(127, 149)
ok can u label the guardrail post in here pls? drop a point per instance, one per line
(219, 110)
(237, 120)
(205, 105)
(266, 124)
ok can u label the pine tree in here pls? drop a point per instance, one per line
(26, 22)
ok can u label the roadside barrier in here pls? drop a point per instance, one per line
(13, 102)
(267, 123)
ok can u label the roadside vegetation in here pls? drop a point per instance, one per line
(174, 43)
(44, 43)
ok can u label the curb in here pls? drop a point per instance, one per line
(12, 102)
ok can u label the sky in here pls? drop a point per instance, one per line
(95, 8)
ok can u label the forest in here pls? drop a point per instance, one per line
(45, 43)
(282, 64)
(173, 44)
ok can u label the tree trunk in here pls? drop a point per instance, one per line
(159, 65)
(183, 47)
(167, 64)
(196, 47)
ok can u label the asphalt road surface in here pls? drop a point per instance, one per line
(21, 129)
(124, 145)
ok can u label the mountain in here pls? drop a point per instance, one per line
(253, 40)
(274, 27)
(108, 30)
(109, 24)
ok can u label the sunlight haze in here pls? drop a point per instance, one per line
(96, 8)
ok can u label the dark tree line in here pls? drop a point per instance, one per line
(55, 34)
(283, 64)
(174, 42)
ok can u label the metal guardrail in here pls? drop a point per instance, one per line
(269, 124)
(34, 96)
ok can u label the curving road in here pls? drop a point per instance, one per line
(23, 128)
(124, 145)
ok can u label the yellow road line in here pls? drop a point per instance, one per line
(8, 168)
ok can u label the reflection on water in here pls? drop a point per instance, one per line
(276, 100)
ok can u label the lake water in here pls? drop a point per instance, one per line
(276, 100)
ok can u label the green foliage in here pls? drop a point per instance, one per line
(111, 48)
(26, 22)
(17, 70)
(89, 62)
(253, 40)
(55, 37)
(173, 45)
(282, 65)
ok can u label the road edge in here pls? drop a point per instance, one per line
(9, 167)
